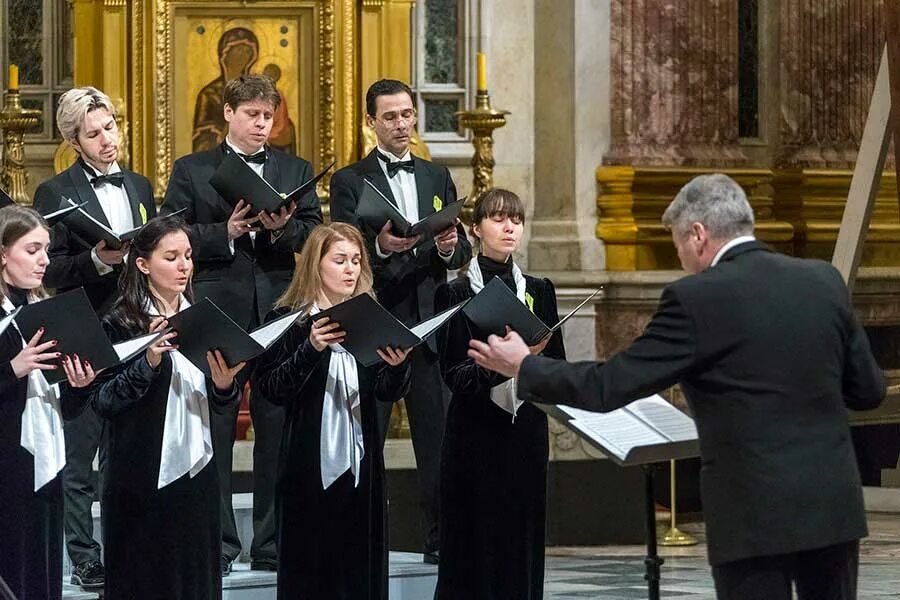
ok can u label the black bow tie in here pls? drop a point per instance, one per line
(96, 179)
(116, 179)
(392, 167)
(258, 158)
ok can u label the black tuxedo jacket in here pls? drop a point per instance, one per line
(245, 283)
(70, 255)
(404, 282)
(769, 355)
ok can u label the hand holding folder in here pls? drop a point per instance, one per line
(496, 307)
(204, 328)
(368, 327)
(93, 231)
(70, 320)
(375, 209)
(235, 180)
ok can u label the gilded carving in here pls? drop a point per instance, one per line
(329, 65)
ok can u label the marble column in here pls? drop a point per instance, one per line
(674, 81)
(571, 132)
(829, 56)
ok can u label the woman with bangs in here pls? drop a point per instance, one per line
(332, 541)
(495, 449)
(32, 445)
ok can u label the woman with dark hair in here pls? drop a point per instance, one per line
(495, 450)
(330, 497)
(161, 511)
(32, 446)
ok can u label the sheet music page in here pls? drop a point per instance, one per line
(665, 418)
(619, 430)
(268, 333)
(424, 329)
(5, 322)
(131, 347)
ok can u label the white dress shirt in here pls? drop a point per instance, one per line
(114, 202)
(258, 169)
(406, 194)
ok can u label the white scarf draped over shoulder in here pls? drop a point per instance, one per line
(504, 394)
(187, 443)
(42, 423)
(341, 436)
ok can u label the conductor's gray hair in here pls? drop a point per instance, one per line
(715, 200)
(75, 104)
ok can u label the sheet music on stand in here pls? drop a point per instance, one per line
(646, 431)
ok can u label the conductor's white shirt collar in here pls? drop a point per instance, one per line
(742, 239)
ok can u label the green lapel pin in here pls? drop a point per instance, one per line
(436, 202)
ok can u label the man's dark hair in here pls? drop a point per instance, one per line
(384, 87)
(248, 88)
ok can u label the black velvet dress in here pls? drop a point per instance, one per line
(332, 543)
(158, 543)
(493, 470)
(31, 529)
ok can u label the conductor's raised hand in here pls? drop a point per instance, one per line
(79, 373)
(502, 355)
(222, 374)
(34, 355)
(277, 221)
(388, 242)
(324, 332)
(392, 356)
(162, 345)
(239, 223)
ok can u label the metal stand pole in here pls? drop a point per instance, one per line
(652, 562)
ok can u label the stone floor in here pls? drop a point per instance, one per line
(608, 572)
(617, 572)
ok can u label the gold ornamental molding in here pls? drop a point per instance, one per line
(632, 200)
(332, 84)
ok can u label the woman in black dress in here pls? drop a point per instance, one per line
(495, 451)
(161, 530)
(32, 447)
(330, 498)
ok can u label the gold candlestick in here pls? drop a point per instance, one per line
(674, 536)
(482, 120)
(14, 122)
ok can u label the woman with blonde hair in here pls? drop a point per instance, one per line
(330, 499)
(32, 446)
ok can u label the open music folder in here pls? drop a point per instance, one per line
(496, 306)
(52, 218)
(369, 326)
(203, 327)
(92, 231)
(646, 431)
(235, 180)
(69, 319)
(375, 209)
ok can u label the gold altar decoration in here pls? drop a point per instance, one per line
(482, 120)
(674, 536)
(632, 200)
(14, 122)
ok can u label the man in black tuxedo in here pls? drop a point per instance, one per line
(406, 278)
(121, 200)
(770, 356)
(243, 265)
